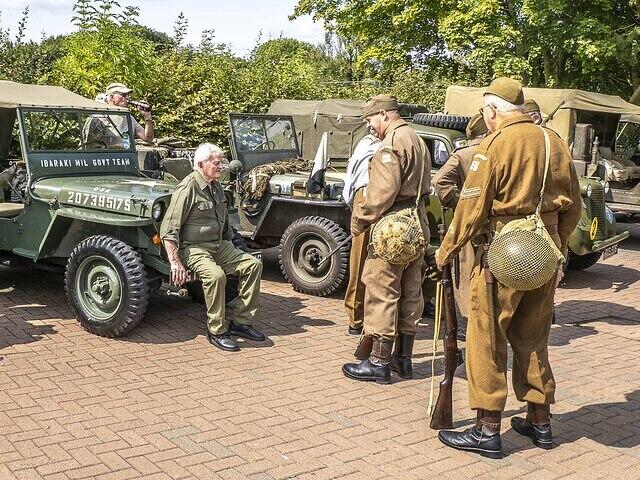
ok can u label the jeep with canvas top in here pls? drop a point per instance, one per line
(86, 207)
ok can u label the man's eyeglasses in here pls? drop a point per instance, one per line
(482, 108)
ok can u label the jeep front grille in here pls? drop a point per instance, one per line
(596, 207)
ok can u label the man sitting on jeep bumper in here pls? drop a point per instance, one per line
(196, 233)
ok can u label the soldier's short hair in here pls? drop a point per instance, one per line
(501, 104)
(204, 152)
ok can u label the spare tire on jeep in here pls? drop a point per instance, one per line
(439, 120)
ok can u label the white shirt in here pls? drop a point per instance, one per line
(358, 167)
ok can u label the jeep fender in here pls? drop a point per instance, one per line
(70, 225)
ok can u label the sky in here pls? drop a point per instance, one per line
(238, 23)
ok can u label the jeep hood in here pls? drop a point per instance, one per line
(126, 195)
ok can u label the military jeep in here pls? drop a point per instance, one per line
(587, 122)
(87, 208)
(442, 133)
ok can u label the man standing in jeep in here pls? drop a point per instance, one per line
(197, 235)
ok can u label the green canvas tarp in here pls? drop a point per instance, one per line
(468, 100)
(340, 118)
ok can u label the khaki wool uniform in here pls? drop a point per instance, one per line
(448, 182)
(393, 298)
(197, 221)
(504, 183)
(354, 296)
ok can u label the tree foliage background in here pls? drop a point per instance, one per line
(411, 48)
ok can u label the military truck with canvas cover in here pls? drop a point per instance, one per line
(86, 206)
(587, 122)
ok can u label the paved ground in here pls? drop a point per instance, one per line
(163, 403)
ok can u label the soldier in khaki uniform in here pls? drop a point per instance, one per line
(393, 298)
(197, 235)
(447, 183)
(532, 109)
(504, 183)
(354, 185)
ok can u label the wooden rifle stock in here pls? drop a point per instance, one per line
(442, 416)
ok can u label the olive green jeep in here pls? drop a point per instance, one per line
(85, 209)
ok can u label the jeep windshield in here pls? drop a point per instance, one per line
(60, 130)
(263, 133)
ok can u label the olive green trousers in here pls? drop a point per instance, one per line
(212, 262)
(523, 319)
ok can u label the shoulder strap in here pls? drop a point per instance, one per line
(547, 153)
(421, 178)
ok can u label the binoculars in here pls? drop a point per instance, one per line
(140, 105)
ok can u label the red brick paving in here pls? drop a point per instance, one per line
(163, 404)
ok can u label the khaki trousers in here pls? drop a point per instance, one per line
(393, 301)
(523, 319)
(212, 262)
(354, 296)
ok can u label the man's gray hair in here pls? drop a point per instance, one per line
(501, 105)
(204, 152)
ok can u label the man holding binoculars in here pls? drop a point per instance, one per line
(118, 96)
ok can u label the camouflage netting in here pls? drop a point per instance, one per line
(257, 183)
(397, 238)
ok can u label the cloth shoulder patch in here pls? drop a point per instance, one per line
(470, 192)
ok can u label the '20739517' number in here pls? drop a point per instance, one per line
(99, 200)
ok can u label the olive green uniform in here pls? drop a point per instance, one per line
(504, 183)
(393, 297)
(198, 222)
(448, 182)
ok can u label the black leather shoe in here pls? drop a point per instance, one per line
(246, 331)
(402, 366)
(540, 434)
(223, 341)
(473, 440)
(355, 330)
(366, 371)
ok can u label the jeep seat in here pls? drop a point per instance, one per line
(10, 210)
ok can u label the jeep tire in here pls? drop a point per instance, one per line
(303, 245)
(582, 262)
(439, 120)
(106, 285)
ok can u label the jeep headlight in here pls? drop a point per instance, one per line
(588, 191)
(606, 187)
(157, 211)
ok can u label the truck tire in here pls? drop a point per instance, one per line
(195, 291)
(582, 262)
(106, 285)
(438, 120)
(303, 245)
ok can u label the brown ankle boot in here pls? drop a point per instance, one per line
(363, 350)
(401, 360)
(488, 421)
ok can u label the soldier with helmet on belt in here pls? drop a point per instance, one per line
(447, 183)
(507, 182)
(399, 169)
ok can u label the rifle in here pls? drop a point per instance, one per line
(552, 114)
(442, 414)
(335, 250)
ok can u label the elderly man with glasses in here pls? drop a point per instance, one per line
(197, 236)
(118, 95)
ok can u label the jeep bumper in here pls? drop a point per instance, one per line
(599, 246)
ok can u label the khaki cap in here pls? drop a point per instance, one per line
(531, 106)
(476, 126)
(379, 102)
(508, 89)
(117, 88)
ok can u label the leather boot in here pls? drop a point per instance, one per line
(401, 360)
(376, 367)
(536, 426)
(482, 438)
(365, 345)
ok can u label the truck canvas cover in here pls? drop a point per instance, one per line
(468, 100)
(341, 118)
